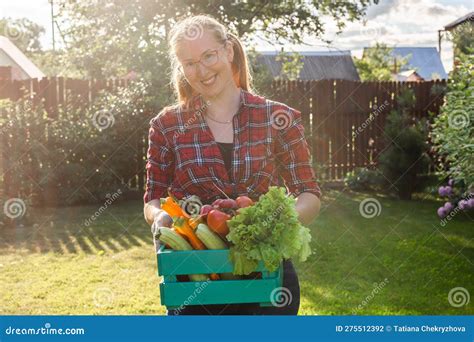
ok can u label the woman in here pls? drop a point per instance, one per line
(220, 138)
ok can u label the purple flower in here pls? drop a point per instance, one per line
(451, 182)
(441, 212)
(448, 206)
(470, 203)
(448, 190)
(442, 191)
(462, 204)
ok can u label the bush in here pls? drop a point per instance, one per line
(362, 179)
(83, 155)
(406, 153)
(453, 128)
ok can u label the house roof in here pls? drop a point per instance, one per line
(459, 21)
(317, 65)
(19, 58)
(407, 72)
(425, 60)
(404, 75)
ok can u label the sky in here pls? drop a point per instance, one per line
(395, 22)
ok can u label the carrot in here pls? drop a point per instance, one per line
(181, 225)
(215, 276)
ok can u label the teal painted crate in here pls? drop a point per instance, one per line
(175, 294)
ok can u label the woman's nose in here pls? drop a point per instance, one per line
(201, 70)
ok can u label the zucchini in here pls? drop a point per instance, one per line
(210, 239)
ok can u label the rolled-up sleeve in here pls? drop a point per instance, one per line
(294, 157)
(160, 163)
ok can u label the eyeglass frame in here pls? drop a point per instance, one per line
(181, 67)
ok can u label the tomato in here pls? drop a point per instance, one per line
(244, 201)
(217, 221)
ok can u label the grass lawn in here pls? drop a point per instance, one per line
(400, 262)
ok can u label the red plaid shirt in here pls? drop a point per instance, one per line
(269, 149)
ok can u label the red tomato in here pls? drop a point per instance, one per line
(244, 201)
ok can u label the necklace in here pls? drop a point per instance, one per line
(222, 122)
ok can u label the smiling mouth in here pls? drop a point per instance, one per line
(209, 81)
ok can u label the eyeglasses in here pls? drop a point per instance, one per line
(209, 58)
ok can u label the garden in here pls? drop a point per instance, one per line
(395, 162)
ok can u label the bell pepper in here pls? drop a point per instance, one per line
(181, 225)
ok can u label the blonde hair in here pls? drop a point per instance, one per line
(193, 28)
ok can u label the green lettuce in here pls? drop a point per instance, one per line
(268, 231)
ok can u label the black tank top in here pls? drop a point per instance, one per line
(226, 151)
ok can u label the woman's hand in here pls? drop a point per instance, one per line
(162, 219)
(308, 206)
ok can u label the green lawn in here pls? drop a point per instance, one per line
(64, 267)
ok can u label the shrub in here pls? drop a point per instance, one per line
(406, 153)
(362, 179)
(83, 155)
(453, 128)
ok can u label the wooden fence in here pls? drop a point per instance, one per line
(56, 91)
(343, 120)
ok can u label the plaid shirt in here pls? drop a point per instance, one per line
(269, 149)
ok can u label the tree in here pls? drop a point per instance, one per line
(23, 33)
(453, 128)
(111, 38)
(377, 64)
(405, 156)
(463, 39)
(291, 64)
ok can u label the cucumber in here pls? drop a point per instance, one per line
(175, 241)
